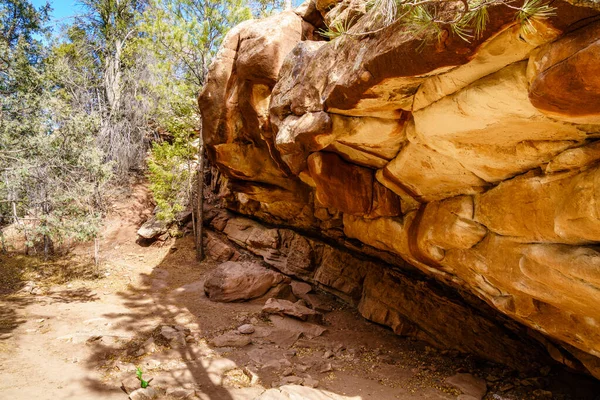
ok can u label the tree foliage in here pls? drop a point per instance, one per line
(431, 19)
(82, 109)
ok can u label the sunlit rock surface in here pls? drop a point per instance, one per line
(455, 184)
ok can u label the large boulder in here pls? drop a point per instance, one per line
(239, 281)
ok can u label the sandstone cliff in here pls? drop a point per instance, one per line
(473, 163)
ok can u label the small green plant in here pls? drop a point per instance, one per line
(336, 29)
(144, 384)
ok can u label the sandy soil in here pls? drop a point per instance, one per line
(79, 336)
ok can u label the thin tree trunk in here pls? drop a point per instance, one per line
(199, 205)
(3, 242)
(22, 224)
(96, 252)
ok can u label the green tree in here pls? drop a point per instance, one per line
(51, 172)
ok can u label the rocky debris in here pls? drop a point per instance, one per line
(231, 339)
(246, 329)
(148, 393)
(169, 335)
(469, 385)
(30, 287)
(238, 281)
(297, 310)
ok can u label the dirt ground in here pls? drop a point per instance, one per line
(80, 331)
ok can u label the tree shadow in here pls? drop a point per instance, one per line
(10, 314)
(149, 305)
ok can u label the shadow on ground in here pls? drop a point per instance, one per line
(382, 365)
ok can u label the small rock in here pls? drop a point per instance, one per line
(339, 347)
(190, 339)
(246, 329)
(276, 306)
(290, 353)
(148, 393)
(302, 367)
(328, 354)
(252, 373)
(168, 335)
(326, 368)
(28, 287)
(300, 288)
(152, 228)
(310, 382)
(468, 384)
(130, 384)
(292, 380)
(231, 340)
(287, 372)
(180, 393)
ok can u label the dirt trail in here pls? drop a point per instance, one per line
(81, 338)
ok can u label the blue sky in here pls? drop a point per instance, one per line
(61, 9)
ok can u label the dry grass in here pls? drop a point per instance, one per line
(15, 270)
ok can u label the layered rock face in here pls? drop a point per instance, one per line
(475, 163)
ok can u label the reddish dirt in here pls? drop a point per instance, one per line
(79, 338)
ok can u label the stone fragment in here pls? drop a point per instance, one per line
(284, 307)
(152, 228)
(300, 288)
(231, 340)
(169, 335)
(239, 281)
(246, 329)
(291, 380)
(148, 393)
(310, 382)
